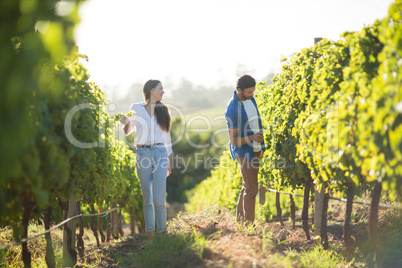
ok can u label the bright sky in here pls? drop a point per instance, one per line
(129, 41)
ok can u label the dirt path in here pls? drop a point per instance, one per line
(212, 238)
(224, 244)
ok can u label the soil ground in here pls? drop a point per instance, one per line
(228, 243)
(214, 239)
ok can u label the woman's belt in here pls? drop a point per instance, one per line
(149, 145)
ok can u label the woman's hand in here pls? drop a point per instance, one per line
(124, 120)
(169, 170)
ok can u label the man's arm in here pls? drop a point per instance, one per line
(237, 141)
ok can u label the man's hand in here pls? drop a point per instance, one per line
(258, 137)
(238, 141)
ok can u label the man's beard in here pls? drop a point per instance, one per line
(245, 97)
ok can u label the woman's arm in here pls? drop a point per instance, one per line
(127, 125)
(169, 171)
(169, 150)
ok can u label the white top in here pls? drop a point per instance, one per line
(252, 115)
(147, 130)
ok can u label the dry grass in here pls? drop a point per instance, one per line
(212, 238)
(36, 247)
(228, 242)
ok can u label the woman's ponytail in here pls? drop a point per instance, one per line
(162, 116)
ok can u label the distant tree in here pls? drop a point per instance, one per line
(268, 78)
(243, 69)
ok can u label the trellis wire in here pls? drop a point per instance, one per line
(55, 227)
(342, 199)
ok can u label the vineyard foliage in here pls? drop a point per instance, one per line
(221, 188)
(57, 139)
(334, 114)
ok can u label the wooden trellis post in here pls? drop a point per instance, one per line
(318, 195)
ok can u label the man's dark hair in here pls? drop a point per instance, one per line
(245, 81)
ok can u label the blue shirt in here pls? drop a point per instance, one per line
(236, 117)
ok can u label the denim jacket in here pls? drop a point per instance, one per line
(236, 117)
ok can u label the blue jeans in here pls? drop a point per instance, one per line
(152, 165)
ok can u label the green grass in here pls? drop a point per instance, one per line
(320, 258)
(173, 250)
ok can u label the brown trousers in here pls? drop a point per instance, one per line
(249, 171)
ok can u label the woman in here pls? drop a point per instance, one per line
(151, 123)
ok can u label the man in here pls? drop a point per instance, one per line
(246, 143)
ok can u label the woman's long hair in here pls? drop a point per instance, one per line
(161, 111)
